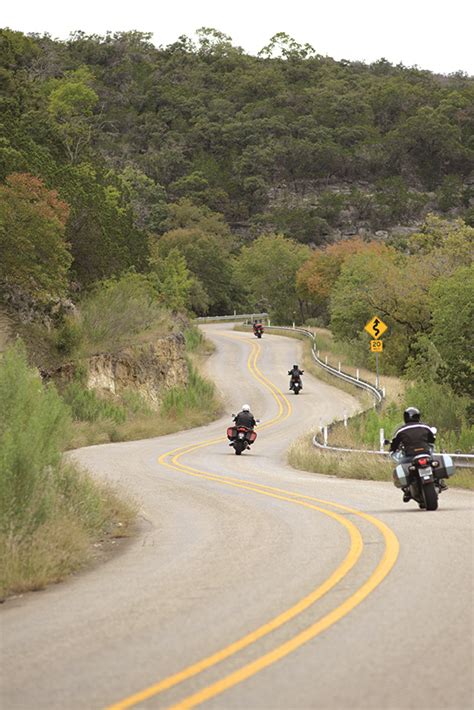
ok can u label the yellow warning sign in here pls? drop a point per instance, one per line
(375, 327)
(376, 346)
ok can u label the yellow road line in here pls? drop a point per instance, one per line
(387, 562)
(241, 674)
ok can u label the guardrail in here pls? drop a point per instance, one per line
(460, 460)
(377, 393)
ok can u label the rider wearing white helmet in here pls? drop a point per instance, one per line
(245, 417)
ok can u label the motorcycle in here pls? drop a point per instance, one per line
(421, 476)
(258, 330)
(296, 385)
(241, 438)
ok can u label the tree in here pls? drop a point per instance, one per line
(71, 106)
(174, 280)
(146, 197)
(317, 277)
(391, 285)
(267, 272)
(35, 256)
(452, 319)
(206, 257)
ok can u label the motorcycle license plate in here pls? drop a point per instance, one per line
(426, 473)
(241, 436)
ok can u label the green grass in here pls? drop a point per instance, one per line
(51, 513)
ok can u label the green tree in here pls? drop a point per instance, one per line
(452, 319)
(267, 272)
(35, 256)
(71, 105)
(174, 280)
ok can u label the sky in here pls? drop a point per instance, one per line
(432, 34)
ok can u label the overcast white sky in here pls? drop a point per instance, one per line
(434, 34)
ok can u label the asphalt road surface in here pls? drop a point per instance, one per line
(252, 585)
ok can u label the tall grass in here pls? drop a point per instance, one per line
(49, 512)
(118, 309)
(87, 406)
(197, 395)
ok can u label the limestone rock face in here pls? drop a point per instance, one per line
(151, 369)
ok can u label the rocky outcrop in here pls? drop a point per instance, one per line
(150, 369)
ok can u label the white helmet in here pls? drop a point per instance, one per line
(245, 408)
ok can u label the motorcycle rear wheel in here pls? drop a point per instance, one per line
(430, 496)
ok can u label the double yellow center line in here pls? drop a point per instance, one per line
(171, 459)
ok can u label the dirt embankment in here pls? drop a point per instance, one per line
(150, 369)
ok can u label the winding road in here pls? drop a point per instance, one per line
(252, 585)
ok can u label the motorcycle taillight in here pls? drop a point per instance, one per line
(423, 462)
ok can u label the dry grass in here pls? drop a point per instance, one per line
(94, 515)
(306, 457)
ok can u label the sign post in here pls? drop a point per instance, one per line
(376, 328)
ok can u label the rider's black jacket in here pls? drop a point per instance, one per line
(413, 438)
(245, 419)
(295, 373)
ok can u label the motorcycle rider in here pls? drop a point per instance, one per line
(413, 437)
(295, 375)
(245, 418)
(257, 325)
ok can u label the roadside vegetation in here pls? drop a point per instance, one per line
(129, 416)
(51, 512)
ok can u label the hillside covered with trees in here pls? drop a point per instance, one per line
(288, 181)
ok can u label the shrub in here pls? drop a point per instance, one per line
(198, 394)
(117, 309)
(49, 511)
(34, 425)
(86, 406)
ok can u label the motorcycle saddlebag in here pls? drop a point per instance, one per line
(446, 466)
(401, 475)
(231, 433)
(251, 436)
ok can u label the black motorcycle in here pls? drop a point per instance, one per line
(421, 478)
(296, 385)
(241, 438)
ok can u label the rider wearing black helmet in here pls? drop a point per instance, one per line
(413, 437)
(295, 374)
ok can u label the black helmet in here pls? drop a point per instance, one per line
(412, 414)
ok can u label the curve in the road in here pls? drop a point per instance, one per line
(171, 459)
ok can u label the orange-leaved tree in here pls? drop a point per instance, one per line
(35, 256)
(316, 278)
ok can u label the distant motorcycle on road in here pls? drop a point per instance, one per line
(296, 383)
(258, 329)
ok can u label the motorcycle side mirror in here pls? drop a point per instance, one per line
(434, 430)
(258, 421)
(386, 442)
(232, 415)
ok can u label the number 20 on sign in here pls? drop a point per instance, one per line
(376, 346)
